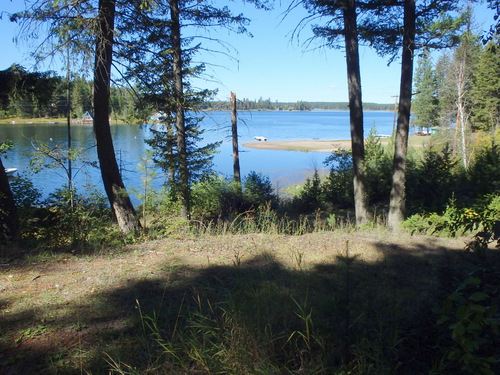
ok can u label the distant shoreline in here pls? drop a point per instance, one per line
(324, 145)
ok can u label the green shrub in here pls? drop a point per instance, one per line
(258, 189)
(214, 196)
(84, 224)
(25, 194)
(480, 215)
(430, 183)
(338, 187)
(311, 196)
(378, 169)
(483, 175)
(470, 317)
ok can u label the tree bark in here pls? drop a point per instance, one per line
(461, 116)
(355, 111)
(184, 187)
(397, 204)
(234, 128)
(9, 220)
(113, 184)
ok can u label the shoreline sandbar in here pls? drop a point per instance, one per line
(322, 145)
(304, 145)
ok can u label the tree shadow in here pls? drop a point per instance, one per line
(257, 316)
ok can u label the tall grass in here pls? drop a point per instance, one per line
(346, 317)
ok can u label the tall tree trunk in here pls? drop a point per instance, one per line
(461, 116)
(234, 129)
(9, 221)
(355, 111)
(179, 103)
(115, 189)
(397, 204)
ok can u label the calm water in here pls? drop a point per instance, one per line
(282, 167)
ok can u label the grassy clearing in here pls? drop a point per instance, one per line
(319, 303)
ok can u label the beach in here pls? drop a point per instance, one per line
(306, 145)
(322, 145)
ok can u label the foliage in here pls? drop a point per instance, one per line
(27, 94)
(311, 195)
(43, 94)
(26, 195)
(485, 93)
(378, 168)
(66, 220)
(338, 187)
(215, 196)
(258, 189)
(483, 175)
(430, 183)
(425, 101)
(471, 317)
(478, 216)
(5, 146)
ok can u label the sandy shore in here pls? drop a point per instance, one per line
(322, 146)
(319, 146)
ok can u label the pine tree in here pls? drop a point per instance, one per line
(485, 94)
(160, 62)
(425, 101)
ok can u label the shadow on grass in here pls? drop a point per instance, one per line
(259, 317)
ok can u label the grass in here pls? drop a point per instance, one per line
(338, 302)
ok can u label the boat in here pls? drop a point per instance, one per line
(260, 138)
(10, 171)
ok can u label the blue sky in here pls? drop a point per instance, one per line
(269, 65)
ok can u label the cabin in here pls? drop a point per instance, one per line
(87, 118)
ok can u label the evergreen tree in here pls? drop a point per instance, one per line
(445, 91)
(485, 94)
(160, 61)
(81, 94)
(425, 101)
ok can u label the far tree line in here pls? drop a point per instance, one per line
(26, 94)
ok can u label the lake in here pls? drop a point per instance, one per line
(282, 167)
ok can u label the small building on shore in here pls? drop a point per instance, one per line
(87, 118)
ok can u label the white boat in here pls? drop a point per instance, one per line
(10, 171)
(260, 138)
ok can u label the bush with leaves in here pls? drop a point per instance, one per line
(432, 181)
(258, 190)
(311, 196)
(25, 194)
(214, 196)
(378, 169)
(338, 186)
(85, 224)
(483, 175)
(470, 316)
(458, 219)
